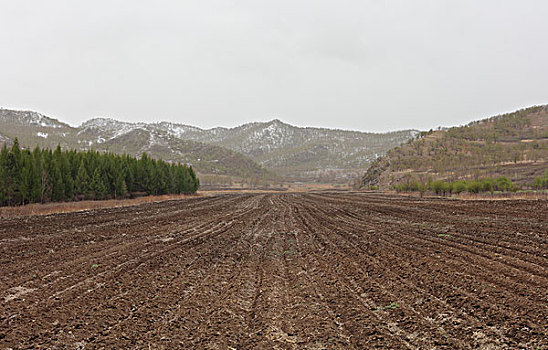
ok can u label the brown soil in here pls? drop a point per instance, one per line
(279, 271)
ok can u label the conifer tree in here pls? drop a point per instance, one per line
(129, 172)
(120, 186)
(11, 178)
(66, 175)
(56, 180)
(97, 186)
(3, 184)
(27, 180)
(82, 180)
(16, 150)
(69, 188)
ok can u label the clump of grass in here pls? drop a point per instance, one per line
(390, 306)
(444, 235)
(94, 266)
(284, 253)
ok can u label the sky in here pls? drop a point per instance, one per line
(369, 65)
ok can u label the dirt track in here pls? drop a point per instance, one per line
(287, 271)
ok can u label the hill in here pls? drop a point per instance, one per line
(294, 153)
(514, 145)
(34, 129)
(301, 154)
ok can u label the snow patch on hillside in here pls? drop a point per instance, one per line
(108, 129)
(41, 120)
(175, 130)
(29, 118)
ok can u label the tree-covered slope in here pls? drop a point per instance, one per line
(514, 145)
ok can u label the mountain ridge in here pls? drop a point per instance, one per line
(295, 153)
(298, 153)
(34, 129)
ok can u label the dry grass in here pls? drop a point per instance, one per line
(302, 187)
(535, 195)
(66, 207)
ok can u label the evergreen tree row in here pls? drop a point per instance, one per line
(45, 175)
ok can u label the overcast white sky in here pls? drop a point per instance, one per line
(369, 65)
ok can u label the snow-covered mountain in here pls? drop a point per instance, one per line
(300, 154)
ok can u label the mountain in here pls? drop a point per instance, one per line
(294, 153)
(34, 129)
(514, 145)
(299, 154)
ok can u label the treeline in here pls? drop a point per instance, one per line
(45, 175)
(440, 187)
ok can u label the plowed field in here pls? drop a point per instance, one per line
(279, 271)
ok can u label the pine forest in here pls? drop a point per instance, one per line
(45, 175)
